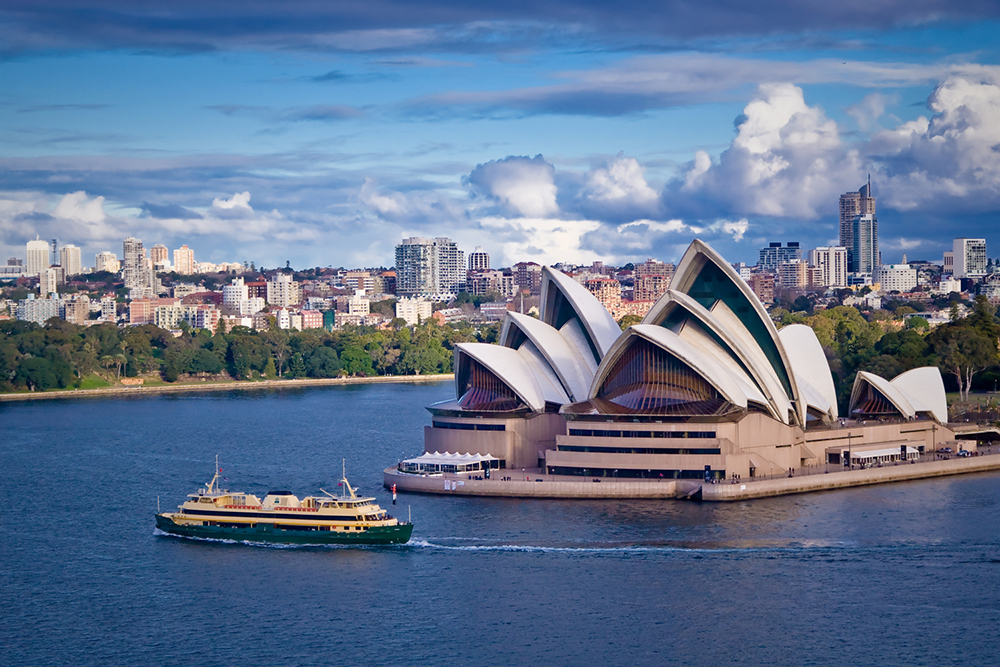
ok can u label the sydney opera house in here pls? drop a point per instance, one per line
(704, 386)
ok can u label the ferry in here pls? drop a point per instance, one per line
(215, 513)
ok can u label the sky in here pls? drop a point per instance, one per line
(322, 133)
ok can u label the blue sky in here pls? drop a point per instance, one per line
(322, 133)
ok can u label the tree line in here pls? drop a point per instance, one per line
(62, 355)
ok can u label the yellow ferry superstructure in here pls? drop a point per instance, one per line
(216, 513)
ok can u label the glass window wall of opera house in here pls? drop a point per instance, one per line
(705, 384)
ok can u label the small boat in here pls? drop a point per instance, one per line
(215, 513)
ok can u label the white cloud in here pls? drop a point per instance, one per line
(950, 161)
(523, 186)
(621, 181)
(542, 240)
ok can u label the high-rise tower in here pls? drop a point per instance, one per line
(853, 204)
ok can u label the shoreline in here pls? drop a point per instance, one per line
(119, 391)
(531, 483)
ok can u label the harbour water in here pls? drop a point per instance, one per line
(899, 574)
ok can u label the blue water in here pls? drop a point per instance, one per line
(903, 574)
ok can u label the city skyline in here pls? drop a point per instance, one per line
(542, 134)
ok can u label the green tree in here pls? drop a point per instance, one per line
(963, 352)
(323, 363)
(297, 367)
(628, 320)
(356, 361)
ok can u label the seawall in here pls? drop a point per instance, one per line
(220, 386)
(547, 486)
(839, 480)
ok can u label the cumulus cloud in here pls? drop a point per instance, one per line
(618, 191)
(787, 160)
(520, 185)
(950, 161)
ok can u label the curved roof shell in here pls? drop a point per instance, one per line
(675, 310)
(564, 300)
(731, 388)
(572, 370)
(885, 388)
(924, 388)
(520, 372)
(812, 371)
(705, 276)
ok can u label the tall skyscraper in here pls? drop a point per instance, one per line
(37, 257)
(970, 257)
(853, 204)
(70, 260)
(429, 267)
(184, 260)
(134, 265)
(479, 259)
(865, 257)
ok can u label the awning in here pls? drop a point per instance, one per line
(876, 453)
(446, 458)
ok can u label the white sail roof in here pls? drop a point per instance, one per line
(891, 393)
(517, 373)
(706, 277)
(714, 373)
(567, 362)
(811, 367)
(924, 389)
(600, 327)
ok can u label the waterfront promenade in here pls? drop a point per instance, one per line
(532, 483)
(119, 391)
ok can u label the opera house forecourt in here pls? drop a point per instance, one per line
(703, 393)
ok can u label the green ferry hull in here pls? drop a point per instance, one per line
(269, 533)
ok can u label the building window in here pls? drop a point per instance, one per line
(484, 391)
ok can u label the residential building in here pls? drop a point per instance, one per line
(896, 277)
(853, 204)
(762, 285)
(362, 280)
(159, 253)
(37, 257)
(832, 263)
(969, 257)
(414, 310)
(312, 319)
(107, 261)
(283, 291)
(774, 254)
(429, 267)
(39, 311)
(652, 267)
(650, 287)
(479, 259)
(184, 260)
(47, 283)
(142, 311)
(607, 290)
(482, 282)
(864, 257)
(78, 309)
(743, 269)
(793, 274)
(235, 294)
(70, 260)
(528, 275)
(109, 308)
(135, 271)
(494, 310)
